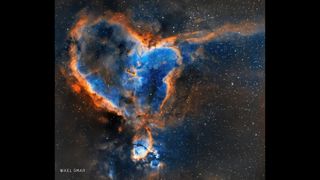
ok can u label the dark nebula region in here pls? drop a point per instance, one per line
(159, 89)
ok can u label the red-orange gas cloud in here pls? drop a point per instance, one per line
(147, 42)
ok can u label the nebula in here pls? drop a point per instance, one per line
(133, 74)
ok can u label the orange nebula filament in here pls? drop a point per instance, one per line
(146, 41)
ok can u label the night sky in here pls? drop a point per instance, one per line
(210, 126)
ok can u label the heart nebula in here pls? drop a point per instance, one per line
(133, 74)
(122, 74)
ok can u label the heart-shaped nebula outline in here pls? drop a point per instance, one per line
(142, 118)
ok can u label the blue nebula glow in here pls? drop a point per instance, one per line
(140, 147)
(154, 163)
(139, 150)
(155, 66)
(113, 72)
(111, 173)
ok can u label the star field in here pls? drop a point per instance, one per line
(119, 115)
